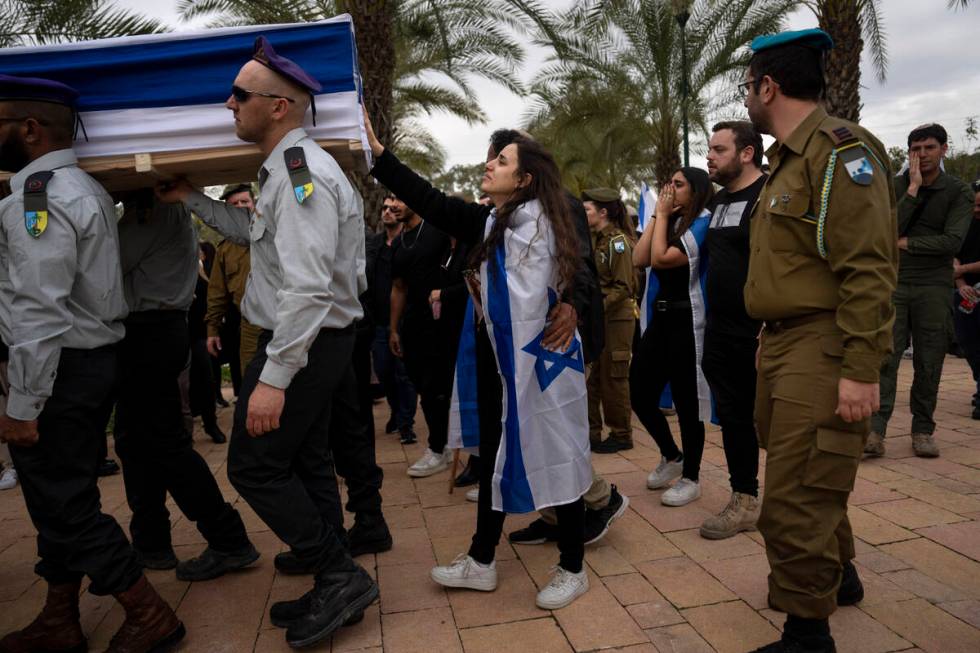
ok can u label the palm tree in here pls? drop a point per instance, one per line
(37, 22)
(633, 46)
(850, 24)
(417, 57)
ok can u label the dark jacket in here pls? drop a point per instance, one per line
(466, 221)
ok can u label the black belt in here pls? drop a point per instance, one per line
(268, 333)
(662, 305)
(155, 315)
(775, 326)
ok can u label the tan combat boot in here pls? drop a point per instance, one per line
(56, 628)
(150, 624)
(875, 446)
(924, 446)
(741, 514)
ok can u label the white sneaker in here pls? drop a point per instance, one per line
(430, 463)
(665, 472)
(473, 494)
(684, 491)
(8, 480)
(468, 573)
(563, 588)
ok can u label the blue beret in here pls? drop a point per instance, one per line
(813, 38)
(36, 89)
(266, 55)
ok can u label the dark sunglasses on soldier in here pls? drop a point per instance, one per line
(241, 95)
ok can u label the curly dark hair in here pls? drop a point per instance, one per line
(546, 187)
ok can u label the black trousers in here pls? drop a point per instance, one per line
(352, 434)
(728, 363)
(202, 383)
(58, 476)
(287, 475)
(156, 450)
(490, 522)
(431, 371)
(666, 354)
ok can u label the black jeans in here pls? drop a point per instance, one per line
(967, 327)
(352, 434)
(666, 355)
(58, 477)
(202, 384)
(490, 522)
(729, 366)
(156, 450)
(287, 475)
(431, 372)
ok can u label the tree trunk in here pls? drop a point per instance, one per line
(841, 19)
(374, 32)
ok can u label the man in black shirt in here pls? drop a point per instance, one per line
(390, 369)
(734, 162)
(966, 274)
(416, 271)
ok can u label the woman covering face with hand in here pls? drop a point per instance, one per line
(670, 349)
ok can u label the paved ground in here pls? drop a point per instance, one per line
(656, 585)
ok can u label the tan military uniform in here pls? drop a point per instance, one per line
(227, 286)
(608, 384)
(828, 313)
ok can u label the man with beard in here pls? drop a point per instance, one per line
(61, 311)
(415, 269)
(390, 369)
(734, 161)
(933, 218)
(307, 250)
(822, 269)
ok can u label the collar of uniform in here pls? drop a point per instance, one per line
(609, 230)
(940, 182)
(796, 142)
(50, 161)
(274, 160)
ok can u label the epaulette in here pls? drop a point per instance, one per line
(299, 173)
(36, 202)
(840, 135)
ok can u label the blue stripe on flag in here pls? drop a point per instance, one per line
(653, 287)
(179, 72)
(466, 390)
(515, 491)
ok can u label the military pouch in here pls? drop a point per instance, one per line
(833, 460)
(620, 368)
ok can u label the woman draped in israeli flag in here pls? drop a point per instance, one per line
(540, 451)
(673, 341)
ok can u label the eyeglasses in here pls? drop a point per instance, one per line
(241, 95)
(388, 209)
(743, 88)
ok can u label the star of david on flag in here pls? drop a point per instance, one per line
(550, 364)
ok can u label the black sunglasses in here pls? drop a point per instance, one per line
(241, 95)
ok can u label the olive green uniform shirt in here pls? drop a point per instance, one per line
(226, 285)
(613, 254)
(787, 275)
(937, 233)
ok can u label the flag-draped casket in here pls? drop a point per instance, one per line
(156, 103)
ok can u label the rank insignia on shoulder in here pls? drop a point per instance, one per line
(36, 203)
(857, 165)
(299, 174)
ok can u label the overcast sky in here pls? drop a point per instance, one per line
(933, 76)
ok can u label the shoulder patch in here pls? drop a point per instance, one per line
(36, 202)
(858, 166)
(299, 173)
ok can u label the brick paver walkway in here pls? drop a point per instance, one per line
(655, 584)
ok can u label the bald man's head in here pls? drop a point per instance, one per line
(258, 113)
(31, 129)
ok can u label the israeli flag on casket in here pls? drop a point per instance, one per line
(543, 458)
(167, 92)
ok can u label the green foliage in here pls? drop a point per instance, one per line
(440, 47)
(897, 156)
(462, 179)
(609, 100)
(39, 22)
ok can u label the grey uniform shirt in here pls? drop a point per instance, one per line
(307, 259)
(61, 289)
(159, 254)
